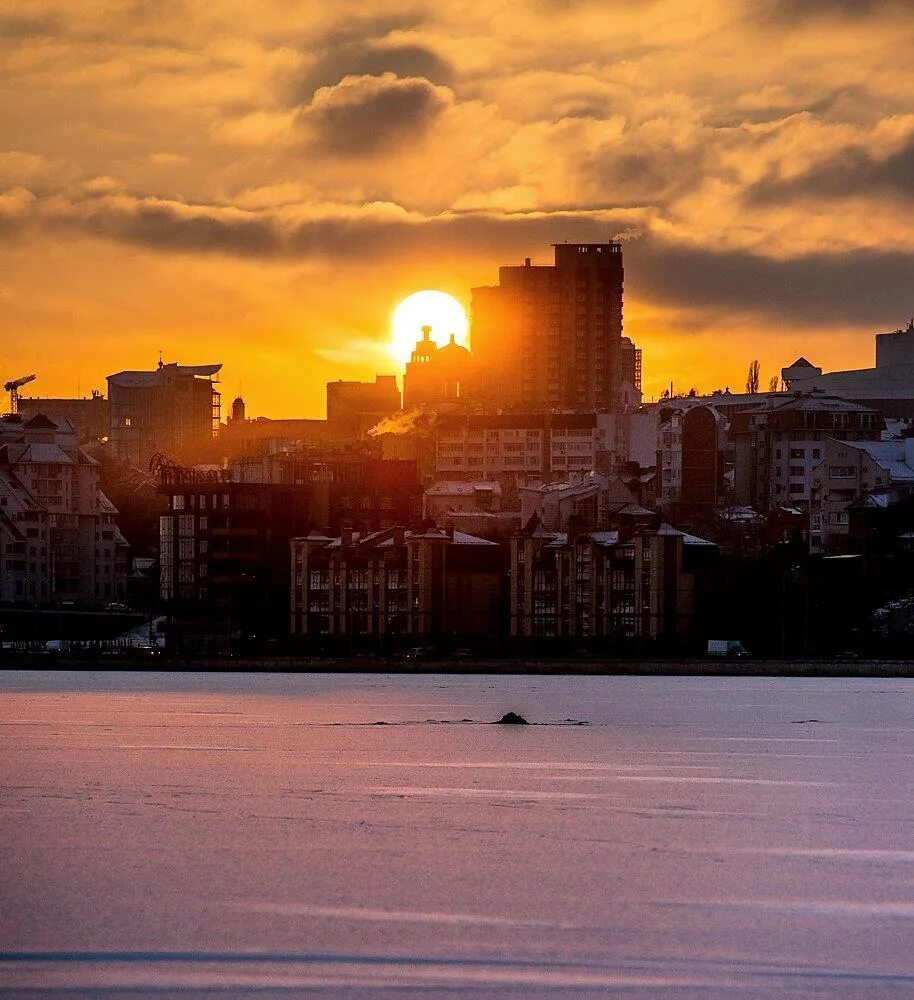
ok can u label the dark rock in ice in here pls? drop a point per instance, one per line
(512, 719)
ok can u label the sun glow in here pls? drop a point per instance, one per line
(442, 312)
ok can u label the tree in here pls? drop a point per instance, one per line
(752, 377)
(773, 384)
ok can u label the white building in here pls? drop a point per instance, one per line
(849, 470)
(889, 387)
(58, 539)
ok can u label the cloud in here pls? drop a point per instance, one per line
(867, 286)
(373, 58)
(852, 171)
(362, 114)
(871, 287)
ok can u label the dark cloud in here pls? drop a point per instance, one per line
(371, 58)
(798, 11)
(867, 287)
(871, 287)
(371, 113)
(647, 176)
(853, 171)
(28, 27)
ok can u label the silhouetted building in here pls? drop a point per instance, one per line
(605, 584)
(355, 407)
(173, 410)
(550, 337)
(437, 375)
(238, 411)
(395, 584)
(59, 543)
(88, 415)
(691, 463)
(224, 558)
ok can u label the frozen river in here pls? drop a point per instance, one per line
(364, 836)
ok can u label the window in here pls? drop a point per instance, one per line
(177, 502)
(841, 472)
(204, 523)
(797, 452)
(128, 421)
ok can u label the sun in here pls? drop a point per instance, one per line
(442, 312)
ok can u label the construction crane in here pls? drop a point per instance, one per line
(13, 387)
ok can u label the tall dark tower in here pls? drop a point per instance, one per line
(550, 336)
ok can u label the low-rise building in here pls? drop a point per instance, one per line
(588, 501)
(779, 444)
(395, 585)
(605, 584)
(849, 471)
(456, 496)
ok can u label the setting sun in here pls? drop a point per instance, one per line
(442, 312)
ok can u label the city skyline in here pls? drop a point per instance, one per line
(265, 187)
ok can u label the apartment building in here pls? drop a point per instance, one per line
(848, 472)
(59, 543)
(778, 445)
(605, 584)
(395, 584)
(521, 448)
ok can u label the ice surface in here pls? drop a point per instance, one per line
(264, 835)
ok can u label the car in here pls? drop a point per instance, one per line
(116, 606)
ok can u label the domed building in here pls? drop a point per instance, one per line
(436, 375)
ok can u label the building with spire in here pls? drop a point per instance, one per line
(438, 375)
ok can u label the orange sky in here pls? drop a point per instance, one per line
(260, 184)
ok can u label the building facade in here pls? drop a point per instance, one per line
(604, 585)
(172, 410)
(525, 447)
(849, 471)
(59, 543)
(395, 585)
(778, 446)
(551, 336)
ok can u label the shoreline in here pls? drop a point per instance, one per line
(509, 667)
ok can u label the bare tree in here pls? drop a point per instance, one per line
(773, 384)
(752, 377)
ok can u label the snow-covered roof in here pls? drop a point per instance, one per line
(452, 487)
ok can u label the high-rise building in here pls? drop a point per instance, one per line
(551, 336)
(173, 410)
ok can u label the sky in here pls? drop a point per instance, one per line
(261, 183)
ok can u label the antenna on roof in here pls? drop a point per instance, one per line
(160, 358)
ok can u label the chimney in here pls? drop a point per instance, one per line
(345, 536)
(398, 536)
(526, 261)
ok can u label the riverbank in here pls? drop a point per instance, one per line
(471, 666)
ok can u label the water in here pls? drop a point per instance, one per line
(266, 836)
